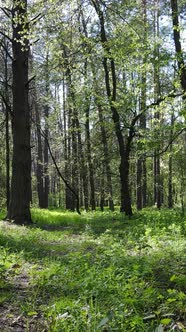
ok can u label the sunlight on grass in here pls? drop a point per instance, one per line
(97, 271)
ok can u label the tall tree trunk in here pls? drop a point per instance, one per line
(182, 69)
(39, 171)
(141, 162)
(45, 150)
(82, 166)
(178, 46)
(89, 159)
(67, 142)
(157, 176)
(7, 128)
(106, 158)
(124, 151)
(37, 116)
(170, 193)
(102, 191)
(19, 207)
(139, 201)
(106, 161)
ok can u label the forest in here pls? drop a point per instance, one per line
(92, 165)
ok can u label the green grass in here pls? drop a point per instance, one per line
(95, 272)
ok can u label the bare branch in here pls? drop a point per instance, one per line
(6, 11)
(7, 52)
(6, 103)
(36, 18)
(30, 80)
(167, 146)
(4, 35)
(5, 83)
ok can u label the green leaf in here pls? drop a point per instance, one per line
(32, 313)
(173, 277)
(166, 321)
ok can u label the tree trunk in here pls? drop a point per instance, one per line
(139, 201)
(123, 151)
(7, 130)
(178, 46)
(39, 171)
(45, 152)
(106, 158)
(170, 194)
(89, 159)
(102, 192)
(141, 162)
(83, 167)
(19, 207)
(157, 176)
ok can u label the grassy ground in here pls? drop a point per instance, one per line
(94, 272)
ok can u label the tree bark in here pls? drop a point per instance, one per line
(141, 162)
(178, 46)
(19, 207)
(45, 150)
(83, 167)
(7, 128)
(89, 159)
(124, 151)
(106, 158)
(39, 171)
(157, 176)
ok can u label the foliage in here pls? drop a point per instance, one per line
(96, 272)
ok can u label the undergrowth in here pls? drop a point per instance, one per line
(96, 272)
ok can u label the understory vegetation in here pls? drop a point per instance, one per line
(94, 272)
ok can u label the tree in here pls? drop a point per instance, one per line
(20, 197)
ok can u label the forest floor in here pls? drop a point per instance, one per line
(94, 272)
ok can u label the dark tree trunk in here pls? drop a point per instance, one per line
(170, 193)
(177, 43)
(123, 151)
(125, 190)
(7, 129)
(144, 184)
(139, 184)
(102, 192)
(19, 207)
(157, 181)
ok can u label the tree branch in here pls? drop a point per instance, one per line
(37, 17)
(6, 10)
(6, 103)
(167, 146)
(5, 49)
(4, 35)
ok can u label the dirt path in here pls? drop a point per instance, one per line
(12, 318)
